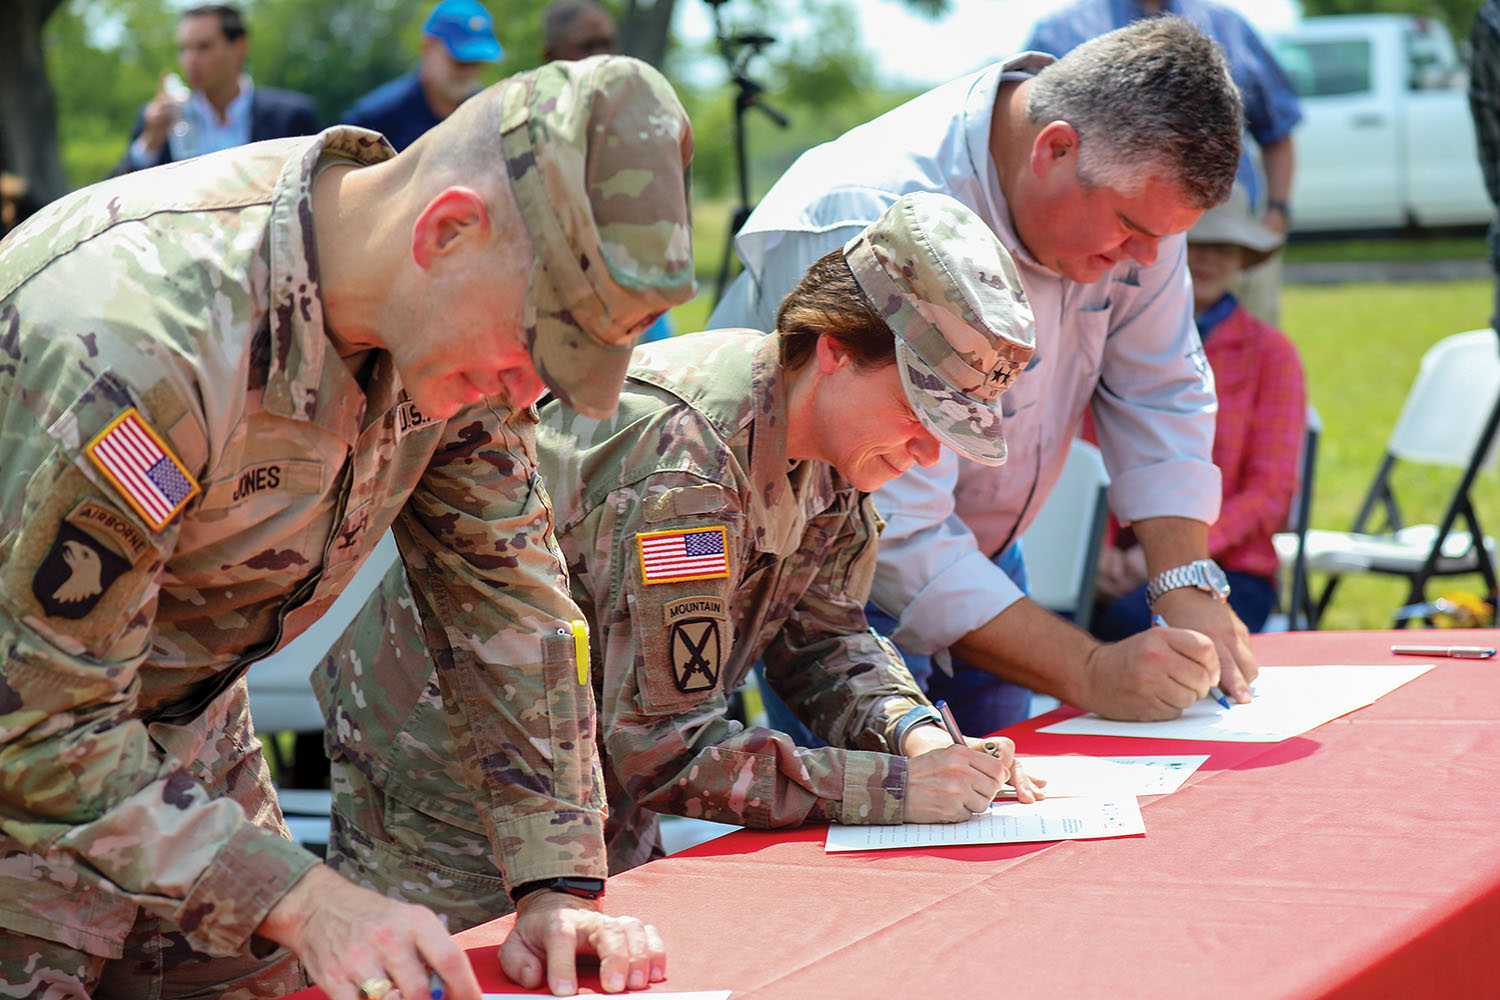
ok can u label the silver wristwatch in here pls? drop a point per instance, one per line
(1204, 574)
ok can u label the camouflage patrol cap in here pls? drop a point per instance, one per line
(598, 152)
(950, 293)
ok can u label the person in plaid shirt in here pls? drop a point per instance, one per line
(1258, 433)
(1484, 104)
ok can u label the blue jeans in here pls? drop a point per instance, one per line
(1251, 597)
(981, 702)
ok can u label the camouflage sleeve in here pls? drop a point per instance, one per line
(848, 683)
(485, 569)
(104, 794)
(663, 700)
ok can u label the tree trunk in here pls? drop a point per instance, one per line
(644, 30)
(28, 114)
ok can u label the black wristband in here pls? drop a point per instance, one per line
(920, 716)
(1282, 207)
(583, 888)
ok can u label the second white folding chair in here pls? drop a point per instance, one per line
(1449, 420)
(1061, 545)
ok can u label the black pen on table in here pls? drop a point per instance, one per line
(1457, 652)
(1157, 621)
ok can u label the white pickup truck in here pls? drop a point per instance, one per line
(1386, 139)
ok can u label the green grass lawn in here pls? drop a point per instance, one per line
(1440, 246)
(1360, 343)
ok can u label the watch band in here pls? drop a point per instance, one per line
(919, 716)
(583, 888)
(1282, 207)
(1204, 574)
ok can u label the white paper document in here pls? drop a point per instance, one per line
(1004, 823)
(1072, 776)
(653, 995)
(1288, 702)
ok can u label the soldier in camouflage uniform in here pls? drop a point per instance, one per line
(222, 381)
(723, 514)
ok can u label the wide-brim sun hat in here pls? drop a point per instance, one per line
(1234, 223)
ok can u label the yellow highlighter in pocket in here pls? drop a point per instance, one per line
(581, 648)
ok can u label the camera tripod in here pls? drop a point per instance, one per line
(737, 49)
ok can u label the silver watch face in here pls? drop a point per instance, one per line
(1214, 576)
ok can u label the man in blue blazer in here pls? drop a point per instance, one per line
(458, 39)
(219, 107)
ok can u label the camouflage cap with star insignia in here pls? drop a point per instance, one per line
(598, 154)
(950, 293)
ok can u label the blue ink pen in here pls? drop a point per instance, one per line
(435, 987)
(1157, 621)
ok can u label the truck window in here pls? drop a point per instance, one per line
(1326, 68)
(1430, 59)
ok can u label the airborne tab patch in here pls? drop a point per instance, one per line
(131, 541)
(684, 554)
(142, 468)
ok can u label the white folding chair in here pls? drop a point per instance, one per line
(1449, 419)
(282, 700)
(1061, 545)
(281, 696)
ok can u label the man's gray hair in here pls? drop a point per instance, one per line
(1152, 99)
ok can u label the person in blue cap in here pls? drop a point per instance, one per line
(457, 40)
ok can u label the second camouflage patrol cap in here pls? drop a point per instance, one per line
(950, 292)
(598, 154)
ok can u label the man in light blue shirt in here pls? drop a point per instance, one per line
(1271, 106)
(1090, 196)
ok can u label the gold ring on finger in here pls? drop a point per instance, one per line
(375, 987)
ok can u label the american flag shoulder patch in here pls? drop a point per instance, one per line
(142, 467)
(684, 554)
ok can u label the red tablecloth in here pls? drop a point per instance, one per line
(1360, 860)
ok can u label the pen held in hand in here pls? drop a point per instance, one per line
(1157, 621)
(950, 722)
(435, 988)
(990, 746)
